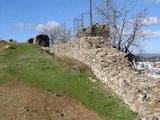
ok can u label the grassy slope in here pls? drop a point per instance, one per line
(29, 64)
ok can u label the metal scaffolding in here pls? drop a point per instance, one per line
(79, 22)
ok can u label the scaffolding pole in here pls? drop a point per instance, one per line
(83, 15)
(77, 22)
(91, 14)
(91, 17)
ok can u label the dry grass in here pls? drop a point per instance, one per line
(2, 44)
(73, 64)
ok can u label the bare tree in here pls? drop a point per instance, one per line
(125, 24)
(58, 34)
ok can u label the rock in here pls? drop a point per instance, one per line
(26, 109)
(122, 83)
(9, 47)
(61, 115)
(59, 94)
(157, 101)
(92, 80)
(142, 97)
(155, 116)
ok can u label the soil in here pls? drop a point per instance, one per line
(1, 46)
(22, 102)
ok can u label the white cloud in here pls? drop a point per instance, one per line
(152, 21)
(151, 34)
(49, 26)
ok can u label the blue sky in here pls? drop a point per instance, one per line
(14, 13)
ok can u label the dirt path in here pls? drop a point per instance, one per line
(20, 102)
(2, 45)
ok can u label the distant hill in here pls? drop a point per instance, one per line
(152, 57)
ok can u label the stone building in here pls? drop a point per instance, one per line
(40, 40)
(96, 30)
(31, 40)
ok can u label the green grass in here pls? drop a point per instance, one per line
(31, 65)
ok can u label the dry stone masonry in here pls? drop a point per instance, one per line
(96, 30)
(140, 92)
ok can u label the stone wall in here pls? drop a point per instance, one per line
(140, 92)
(96, 30)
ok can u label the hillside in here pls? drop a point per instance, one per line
(149, 57)
(35, 85)
(112, 67)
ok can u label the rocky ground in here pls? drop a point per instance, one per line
(20, 102)
(151, 69)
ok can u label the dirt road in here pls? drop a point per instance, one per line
(21, 102)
